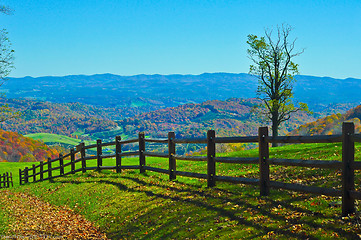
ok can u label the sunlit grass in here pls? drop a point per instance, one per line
(149, 206)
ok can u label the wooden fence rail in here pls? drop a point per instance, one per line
(347, 165)
(6, 179)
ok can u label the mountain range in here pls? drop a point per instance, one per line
(151, 92)
(105, 105)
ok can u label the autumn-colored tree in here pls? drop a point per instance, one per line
(273, 65)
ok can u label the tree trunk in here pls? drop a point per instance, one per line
(274, 132)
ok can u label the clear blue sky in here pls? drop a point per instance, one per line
(130, 37)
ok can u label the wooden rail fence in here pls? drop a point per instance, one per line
(6, 179)
(347, 165)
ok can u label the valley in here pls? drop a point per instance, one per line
(104, 106)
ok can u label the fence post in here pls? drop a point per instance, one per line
(7, 180)
(82, 156)
(348, 173)
(20, 178)
(263, 147)
(50, 175)
(171, 153)
(72, 159)
(99, 154)
(26, 174)
(11, 177)
(211, 154)
(41, 170)
(61, 163)
(34, 171)
(141, 152)
(118, 151)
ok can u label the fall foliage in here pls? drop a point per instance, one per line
(65, 119)
(17, 148)
(232, 117)
(331, 124)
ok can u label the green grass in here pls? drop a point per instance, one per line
(56, 138)
(148, 206)
(14, 167)
(110, 134)
(78, 132)
(138, 104)
(4, 218)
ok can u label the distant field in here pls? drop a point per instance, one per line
(56, 138)
(138, 103)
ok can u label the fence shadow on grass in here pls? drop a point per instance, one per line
(217, 203)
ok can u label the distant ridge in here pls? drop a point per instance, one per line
(111, 90)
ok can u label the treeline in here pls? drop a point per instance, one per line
(17, 148)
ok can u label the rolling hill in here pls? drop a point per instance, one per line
(56, 139)
(16, 148)
(331, 124)
(86, 122)
(70, 119)
(228, 118)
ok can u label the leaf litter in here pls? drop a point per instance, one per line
(36, 219)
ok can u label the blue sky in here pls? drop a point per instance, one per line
(130, 37)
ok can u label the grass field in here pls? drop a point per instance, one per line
(56, 138)
(130, 205)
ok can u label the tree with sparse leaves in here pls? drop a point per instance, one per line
(273, 65)
(6, 65)
(5, 9)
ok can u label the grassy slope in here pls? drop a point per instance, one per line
(132, 205)
(55, 138)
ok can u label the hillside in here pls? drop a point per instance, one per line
(150, 92)
(70, 119)
(17, 148)
(57, 140)
(86, 122)
(228, 118)
(331, 124)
